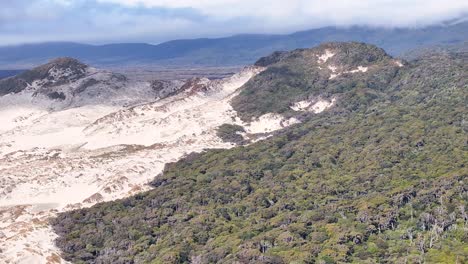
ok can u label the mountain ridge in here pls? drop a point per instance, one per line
(235, 50)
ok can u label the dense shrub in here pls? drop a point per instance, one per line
(380, 180)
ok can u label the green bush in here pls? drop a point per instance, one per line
(366, 183)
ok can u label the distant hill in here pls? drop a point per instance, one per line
(459, 48)
(235, 50)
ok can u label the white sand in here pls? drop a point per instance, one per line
(54, 159)
(324, 57)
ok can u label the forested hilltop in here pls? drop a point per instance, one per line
(379, 178)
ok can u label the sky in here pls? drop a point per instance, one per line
(155, 21)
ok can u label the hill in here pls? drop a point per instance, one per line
(380, 177)
(235, 50)
(72, 135)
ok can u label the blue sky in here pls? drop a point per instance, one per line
(154, 21)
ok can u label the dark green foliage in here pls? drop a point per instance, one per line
(230, 133)
(461, 48)
(12, 85)
(275, 57)
(381, 179)
(85, 85)
(56, 95)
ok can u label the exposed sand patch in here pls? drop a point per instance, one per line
(316, 107)
(324, 57)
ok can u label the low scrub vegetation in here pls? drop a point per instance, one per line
(379, 179)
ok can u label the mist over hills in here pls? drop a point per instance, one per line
(229, 51)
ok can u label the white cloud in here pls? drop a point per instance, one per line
(100, 21)
(302, 12)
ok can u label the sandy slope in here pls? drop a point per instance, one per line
(63, 155)
(103, 144)
(53, 160)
